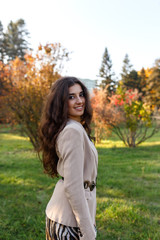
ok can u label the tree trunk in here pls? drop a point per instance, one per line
(132, 140)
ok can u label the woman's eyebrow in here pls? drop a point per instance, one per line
(75, 93)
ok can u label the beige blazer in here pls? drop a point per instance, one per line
(71, 204)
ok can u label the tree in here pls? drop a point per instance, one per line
(1, 43)
(152, 88)
(3, 76)
(143, 81)
(107, 74)
(98, 101)
(126, 69)
(15, 43)
(130, 119)
(138, 124)
(130, 78)
(27, 84)
(133, 81)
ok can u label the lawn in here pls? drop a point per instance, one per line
(128, 190)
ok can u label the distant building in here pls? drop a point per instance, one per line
(90, 84)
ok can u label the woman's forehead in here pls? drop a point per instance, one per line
(76, 88)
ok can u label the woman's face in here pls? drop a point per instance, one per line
(76, 102)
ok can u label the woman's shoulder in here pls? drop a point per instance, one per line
(72, 128)
(72, 124)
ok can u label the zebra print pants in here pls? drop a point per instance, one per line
(57, 231)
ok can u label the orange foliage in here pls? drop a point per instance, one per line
(27, 83)
(100, 112)
(147, 71)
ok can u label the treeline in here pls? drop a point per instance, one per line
(126, 107)
(146, 81)
(129, 106)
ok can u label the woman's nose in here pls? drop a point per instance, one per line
(79, 100)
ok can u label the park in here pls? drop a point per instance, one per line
(126, 133)
(127, 189)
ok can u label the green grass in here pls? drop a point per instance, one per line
(128, 190)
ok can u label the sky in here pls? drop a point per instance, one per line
(87, 27)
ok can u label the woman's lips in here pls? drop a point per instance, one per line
(79, 108)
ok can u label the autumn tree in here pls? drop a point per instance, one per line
(106, 73)
(3, 77)
(28, 83)
(152, 88)
(143, 81)
(130, 119)
(98, 101)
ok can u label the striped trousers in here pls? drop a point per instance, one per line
(57, 231)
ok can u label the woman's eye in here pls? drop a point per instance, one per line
(81, 95)
(71, 97)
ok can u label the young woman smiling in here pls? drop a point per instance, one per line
(76, 102)
(68, 152)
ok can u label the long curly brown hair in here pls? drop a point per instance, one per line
(54, 118)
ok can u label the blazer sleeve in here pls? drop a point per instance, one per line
(71, 149)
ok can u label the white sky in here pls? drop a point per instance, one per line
(86, 27)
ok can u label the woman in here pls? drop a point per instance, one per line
(68, 151)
